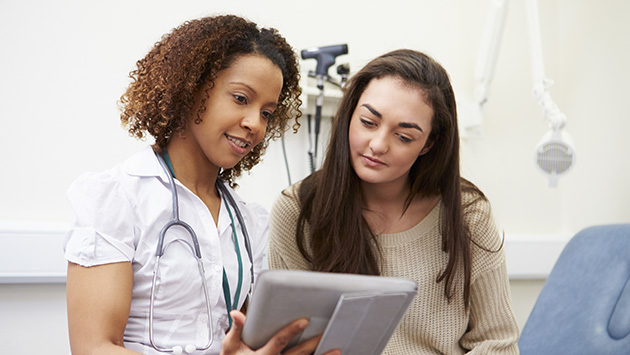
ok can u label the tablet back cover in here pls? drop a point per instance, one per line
(365, 309)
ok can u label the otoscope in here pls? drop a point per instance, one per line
(325, 57)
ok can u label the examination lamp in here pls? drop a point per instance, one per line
(554, 154)
(325, 57)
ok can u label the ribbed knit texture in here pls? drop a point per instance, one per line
(432, 325)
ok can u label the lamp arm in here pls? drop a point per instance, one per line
(489, 49)
(541, 84)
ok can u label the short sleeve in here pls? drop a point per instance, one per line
(103, 228)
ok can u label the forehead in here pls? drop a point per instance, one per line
(386, 84)
(256, 70)
(396, 99)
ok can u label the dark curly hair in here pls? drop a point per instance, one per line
(161, 97)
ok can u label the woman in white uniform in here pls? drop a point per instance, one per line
(212, 93)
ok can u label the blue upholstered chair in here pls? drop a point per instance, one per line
(584, 306)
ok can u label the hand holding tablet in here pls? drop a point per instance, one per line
(354, 313)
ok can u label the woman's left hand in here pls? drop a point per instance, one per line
(233, 344)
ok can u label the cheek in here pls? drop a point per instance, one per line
(354, 139)
(406, 156)
(263, 132)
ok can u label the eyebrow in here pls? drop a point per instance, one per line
(410, 125)
(373, 110)
(401, 124)
(244, 84)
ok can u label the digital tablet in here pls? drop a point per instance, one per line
(355, 313)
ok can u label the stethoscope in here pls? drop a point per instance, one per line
(161, 248)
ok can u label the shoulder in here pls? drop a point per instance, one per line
(478, 218)
(94, 184)
(486, 239)
(284, 216)
(121, 182)
(284, 252)
(288, 201)
(255, 211)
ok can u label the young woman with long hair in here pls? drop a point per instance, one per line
(389, 200)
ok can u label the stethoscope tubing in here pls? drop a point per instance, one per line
(195, 248)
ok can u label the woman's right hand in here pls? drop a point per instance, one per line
(233, 344)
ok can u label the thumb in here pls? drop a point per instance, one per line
(232, 341)
(238, 321)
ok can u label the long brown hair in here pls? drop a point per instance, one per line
(160, 98)
(331, 199)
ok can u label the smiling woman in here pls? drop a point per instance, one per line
(237, 109)
(212, 93)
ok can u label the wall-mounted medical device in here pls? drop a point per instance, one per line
(325, 57)
(554, 154)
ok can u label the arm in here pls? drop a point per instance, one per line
(98, 301)
(232, 344)
(492, 327)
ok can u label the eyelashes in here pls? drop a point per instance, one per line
(369, 124)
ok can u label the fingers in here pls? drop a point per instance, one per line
(280, 340)
(307, 347)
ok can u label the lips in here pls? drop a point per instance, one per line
(371, 161)
(238, 142)
(239, 146)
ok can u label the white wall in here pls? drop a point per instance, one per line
(64, 64)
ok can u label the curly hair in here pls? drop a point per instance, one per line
(161, 96)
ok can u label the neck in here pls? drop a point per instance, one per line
(385, 211)
(385, 198)
(192, 168)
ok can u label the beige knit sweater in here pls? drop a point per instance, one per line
(432, 325)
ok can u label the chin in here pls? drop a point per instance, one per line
(370, 178)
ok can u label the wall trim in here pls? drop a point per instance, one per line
(532, 256)
(32, 252)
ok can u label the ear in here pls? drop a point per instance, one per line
(427, 146)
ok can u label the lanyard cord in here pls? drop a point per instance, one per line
(226, 285)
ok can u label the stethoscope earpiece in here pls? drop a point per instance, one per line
(190, 349)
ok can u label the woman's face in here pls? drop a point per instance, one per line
(240, 103)
(389, 129)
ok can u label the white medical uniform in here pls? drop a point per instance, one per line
(119, 214)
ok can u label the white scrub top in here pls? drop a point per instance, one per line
(119, 214)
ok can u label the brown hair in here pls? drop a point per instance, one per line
(160, 99)
(340, 238)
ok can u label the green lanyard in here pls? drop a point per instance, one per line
(226, 285)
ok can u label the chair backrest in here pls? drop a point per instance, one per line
(584, 306)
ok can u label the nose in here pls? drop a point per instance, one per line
(253, 122)
(378, 143)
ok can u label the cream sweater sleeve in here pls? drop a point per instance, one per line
(492, 327)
